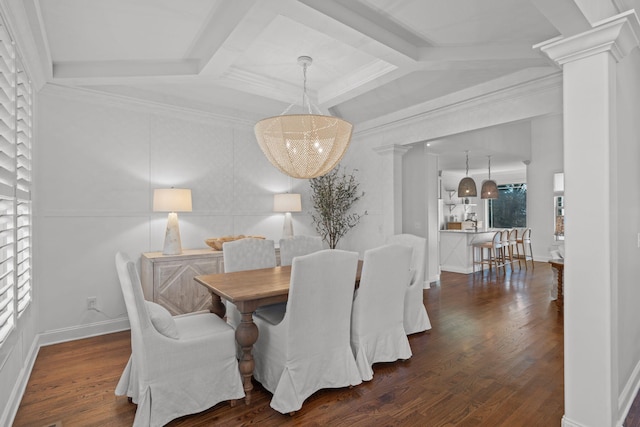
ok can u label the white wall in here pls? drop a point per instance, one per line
(546, 159)
(627, 230)
(101, 159)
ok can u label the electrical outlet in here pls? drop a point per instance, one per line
(92, 303)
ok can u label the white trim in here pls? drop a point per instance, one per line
(83, 331)
(145, 106)
(566, 422)
(628, 394)
(510, 89)
(11, 408)
(49, 338)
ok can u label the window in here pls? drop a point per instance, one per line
(509, 210)
(15, 186)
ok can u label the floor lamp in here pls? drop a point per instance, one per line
(172, 200)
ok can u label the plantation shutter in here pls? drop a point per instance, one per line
(16, 124)
(23, 187)
(7, 184)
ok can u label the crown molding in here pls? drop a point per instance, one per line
(413, 125)
(146, 106)
(617, 35)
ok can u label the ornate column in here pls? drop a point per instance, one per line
(589, 62)
(391, 173)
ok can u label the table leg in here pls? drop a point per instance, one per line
(246, 336)
(217, 306)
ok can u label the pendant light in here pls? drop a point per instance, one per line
(467, 186)
(489, 187)
(303, 145)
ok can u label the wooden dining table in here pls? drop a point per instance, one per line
(248, 290)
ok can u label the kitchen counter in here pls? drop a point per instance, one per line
(456, 251)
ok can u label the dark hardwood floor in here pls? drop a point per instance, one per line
(494, 357)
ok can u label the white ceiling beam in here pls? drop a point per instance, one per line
(565, 15)
(224, 39)
(352, 28)
(376, 74)
(222, 21)
(480, 57)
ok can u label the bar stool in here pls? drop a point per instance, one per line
(494, 250)
(507, 257)
(524, 241)
(514, 252)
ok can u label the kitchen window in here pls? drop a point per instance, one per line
(509, 210)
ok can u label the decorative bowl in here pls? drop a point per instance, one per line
(216, 242)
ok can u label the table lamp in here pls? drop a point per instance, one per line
(172, 200)
(287, 203)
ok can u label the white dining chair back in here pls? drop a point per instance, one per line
(377, 331)
(298, 245)
(179, 365)
(246, 254)
(416, 318)
(307, 348)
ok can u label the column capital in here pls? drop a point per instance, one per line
(617, 35)
(392, 149)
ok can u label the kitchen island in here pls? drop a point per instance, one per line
(456, 251)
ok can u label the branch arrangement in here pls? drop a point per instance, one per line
(333, 196)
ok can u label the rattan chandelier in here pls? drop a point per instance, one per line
(303, 145)
(467, 186)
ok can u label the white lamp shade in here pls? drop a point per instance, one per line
(172, 200)
(287, 202)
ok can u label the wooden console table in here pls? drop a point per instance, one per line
(558, 265)
(168, 279)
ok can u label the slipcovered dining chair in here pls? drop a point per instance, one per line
(246, 254)
(179, 365)
(377, 331)
(416, 318)
(306, 348)
(298, 245)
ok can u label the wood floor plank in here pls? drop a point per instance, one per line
(494, 357)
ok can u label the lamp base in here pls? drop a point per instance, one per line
(287, 228)
(172, 244)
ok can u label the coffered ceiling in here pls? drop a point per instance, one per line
(371, 58)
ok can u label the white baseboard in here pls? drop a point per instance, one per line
(84, 331)
(11, 409)
(53, 337)
(566, 422)
(456, 269)
(625, 400)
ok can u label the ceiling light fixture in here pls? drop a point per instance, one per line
(489, 187)
(467, 186)
(303, 145)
